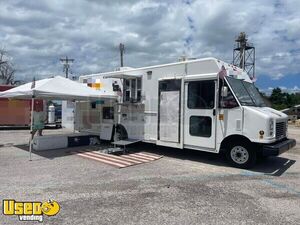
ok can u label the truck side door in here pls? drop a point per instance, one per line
(200, 114)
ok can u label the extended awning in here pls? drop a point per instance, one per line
(124, 75)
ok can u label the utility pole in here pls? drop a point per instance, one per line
(122, 50)
(244, 55)
(66, 63)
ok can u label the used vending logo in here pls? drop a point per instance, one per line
(30, 211)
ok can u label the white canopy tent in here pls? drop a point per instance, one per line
(56, 88)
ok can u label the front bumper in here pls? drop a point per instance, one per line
(278, 148)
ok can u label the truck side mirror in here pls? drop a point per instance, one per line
(224, 91)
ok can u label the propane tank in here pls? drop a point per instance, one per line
(51, 114)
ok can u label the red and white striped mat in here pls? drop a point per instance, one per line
(119, 161)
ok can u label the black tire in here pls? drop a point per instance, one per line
(241, 155)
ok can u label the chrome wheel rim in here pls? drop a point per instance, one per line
(239, 154)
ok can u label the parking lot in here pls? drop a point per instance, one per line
(183, 187)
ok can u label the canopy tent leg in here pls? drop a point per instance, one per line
(31, 128)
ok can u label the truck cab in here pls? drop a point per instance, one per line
(255, 130)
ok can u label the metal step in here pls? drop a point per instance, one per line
(126, 142)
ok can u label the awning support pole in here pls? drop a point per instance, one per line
(31, 128)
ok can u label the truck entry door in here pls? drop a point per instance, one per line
(199, 114)
(169, 110)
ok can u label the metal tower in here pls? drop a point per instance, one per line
(244, 55)
(122, 50)
(66, 62)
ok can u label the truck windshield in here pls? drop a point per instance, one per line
(246, 92)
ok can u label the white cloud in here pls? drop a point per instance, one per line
(38, 33)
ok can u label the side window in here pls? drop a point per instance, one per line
(126, 90)
(229, 101)
(201, 94)
(93, 105)
(108, 113)
(200, 126)
(139, 90)
(132, 90)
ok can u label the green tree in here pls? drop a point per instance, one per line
(281, 100)
(277, 98)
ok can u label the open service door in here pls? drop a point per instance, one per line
(169, 110)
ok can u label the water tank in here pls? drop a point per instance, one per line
(51, 114)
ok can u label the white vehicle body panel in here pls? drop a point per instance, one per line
(164, 117)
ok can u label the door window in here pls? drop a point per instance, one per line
(170, 85)
(201, 94)
(200, 126)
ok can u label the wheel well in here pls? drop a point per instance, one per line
(233, 138)
(121, 129)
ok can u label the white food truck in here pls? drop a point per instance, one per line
(203, 104)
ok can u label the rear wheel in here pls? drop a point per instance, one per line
(241, 155)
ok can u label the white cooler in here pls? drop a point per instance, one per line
(49, 142)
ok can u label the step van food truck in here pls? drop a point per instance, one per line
(203, 104)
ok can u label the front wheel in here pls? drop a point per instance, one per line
(241, 155)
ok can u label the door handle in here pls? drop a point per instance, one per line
(214, 112)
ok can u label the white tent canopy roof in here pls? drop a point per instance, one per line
(57, 88)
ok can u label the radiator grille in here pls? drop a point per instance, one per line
(280, 130)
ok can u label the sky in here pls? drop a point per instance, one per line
(36, 34)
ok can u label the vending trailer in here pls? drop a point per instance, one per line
(203, 104)
(16, 112)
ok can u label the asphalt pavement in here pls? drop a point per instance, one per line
(183, 187)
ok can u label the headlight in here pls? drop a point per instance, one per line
(271, 128)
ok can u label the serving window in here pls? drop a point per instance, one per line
(132, 90)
